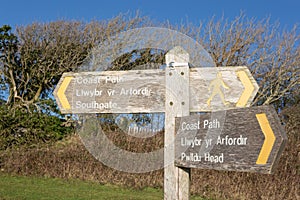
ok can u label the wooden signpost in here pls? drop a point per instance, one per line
(248, 139)
(177, 91)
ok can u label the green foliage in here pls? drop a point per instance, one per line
(19, 127)
(8, 45)
(7, 39)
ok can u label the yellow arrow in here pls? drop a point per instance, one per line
(269, 139)
(61, 92)
(242, 102)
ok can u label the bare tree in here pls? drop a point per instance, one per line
(276, 66)
(272, 55)
(33, 59)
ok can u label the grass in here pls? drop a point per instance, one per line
(21, 188)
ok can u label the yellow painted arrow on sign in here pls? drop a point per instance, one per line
(61, 93)
(269, 139)
(249, 87)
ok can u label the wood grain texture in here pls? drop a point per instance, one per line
(153, 82)
(176, 179)
(238, 123)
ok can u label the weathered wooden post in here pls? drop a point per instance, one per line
(176, 179)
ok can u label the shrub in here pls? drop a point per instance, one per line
(25, 127)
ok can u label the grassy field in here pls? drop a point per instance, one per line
(20, 187)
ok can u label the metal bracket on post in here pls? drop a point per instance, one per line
(176, 64)
(176, 179)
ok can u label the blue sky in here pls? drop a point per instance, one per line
(22, 12)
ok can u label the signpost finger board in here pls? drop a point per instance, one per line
(140, 91)
(247, 139)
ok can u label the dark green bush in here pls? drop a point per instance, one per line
(22, 127)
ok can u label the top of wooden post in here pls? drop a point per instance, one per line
(177, 55)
